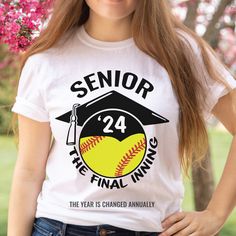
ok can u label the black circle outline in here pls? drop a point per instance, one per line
(143, 133)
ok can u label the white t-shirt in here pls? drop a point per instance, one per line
(114, 117)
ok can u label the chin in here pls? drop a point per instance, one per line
(112, 9)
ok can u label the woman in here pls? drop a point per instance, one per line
(124, 89)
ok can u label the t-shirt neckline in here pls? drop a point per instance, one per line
(106, 45)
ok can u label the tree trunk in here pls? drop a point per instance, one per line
(203, 182)
(211, 33)
(191, 16)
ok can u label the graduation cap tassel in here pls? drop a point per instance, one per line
(71, 136)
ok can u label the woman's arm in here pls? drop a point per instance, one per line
(224, 197)
(29, 173)
(210, 221)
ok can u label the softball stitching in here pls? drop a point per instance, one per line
(90, 143)
(128, 156)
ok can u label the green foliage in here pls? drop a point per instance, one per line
(7, 162)
(6, 101)
(8, 86)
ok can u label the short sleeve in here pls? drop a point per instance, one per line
(29, 100)
(214, 89)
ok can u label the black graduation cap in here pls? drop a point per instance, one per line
(117, 103)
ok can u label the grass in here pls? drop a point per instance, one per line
(7, 161)
(220, 143)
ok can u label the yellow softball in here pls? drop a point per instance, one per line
(110, 157)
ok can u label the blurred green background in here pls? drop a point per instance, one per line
(220, 144)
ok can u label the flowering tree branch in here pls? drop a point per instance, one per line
(20, 21)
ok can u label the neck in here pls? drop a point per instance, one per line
(108, 30)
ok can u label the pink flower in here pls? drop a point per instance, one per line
(19, 21)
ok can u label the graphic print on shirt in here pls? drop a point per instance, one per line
(112, 142)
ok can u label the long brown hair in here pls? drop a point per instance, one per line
(154, 32)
